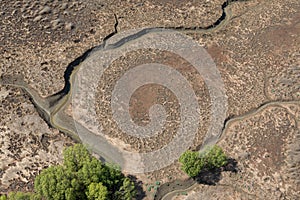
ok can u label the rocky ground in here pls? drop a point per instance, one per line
(27, 143)
(257, 54)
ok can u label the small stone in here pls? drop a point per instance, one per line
(46, 27)
(64, 6)
(17, 3)
(45, 10)
(13, 12)
(55, 12)
(44, 19)
(25, 16)
(37, 18)
(56, 23)
(244, 155)
(69, 26)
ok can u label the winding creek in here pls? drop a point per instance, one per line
(168, 190)
(52, 108)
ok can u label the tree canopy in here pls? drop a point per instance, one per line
(97, 191)
(214, 157)
(193, 162)
(82, 176)
(20, 196)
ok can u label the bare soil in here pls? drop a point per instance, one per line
(257, 54)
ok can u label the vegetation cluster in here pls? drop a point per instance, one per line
(81, 176)
(193, 161)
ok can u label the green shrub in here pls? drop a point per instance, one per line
(97, 191)
(19, 196)
(80, 177)
(56, 183)
(127, 191)
(35, 196)
(3, 197)
(215, 157)
(193, 162)
(83, 177)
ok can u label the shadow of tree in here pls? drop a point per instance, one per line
(232, 166)
(213, 176)
(209, 177)
(206, 177)
(139, 187)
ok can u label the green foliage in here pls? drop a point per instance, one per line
(3, 197)
(35, 196)
(56, 183)
(149, 188)
(19, 196)
(215, 157)
(127, 190)
(80, 177)
(83, 177)
(193, 162)
(75, 157)
(97, 191)
(184, 193)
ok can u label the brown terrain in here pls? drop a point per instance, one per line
(257, 53)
